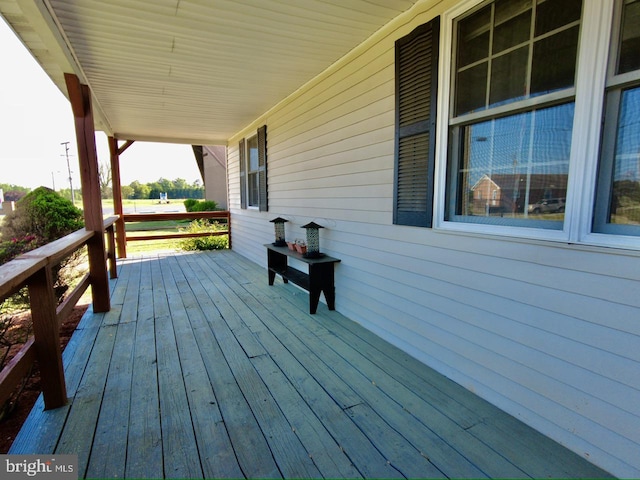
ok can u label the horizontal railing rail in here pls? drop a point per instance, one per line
(224, 216)
(33, 269)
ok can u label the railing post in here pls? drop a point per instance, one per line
(47, 338)
(111, 252)
(117, 194)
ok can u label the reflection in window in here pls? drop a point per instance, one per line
(515, 166)
(625, 196)
(617, 206)
(509, 154)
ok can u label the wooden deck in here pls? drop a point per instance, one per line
(201, 370)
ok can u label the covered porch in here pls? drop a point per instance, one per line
(202, 370)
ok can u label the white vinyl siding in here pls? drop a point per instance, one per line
(546, 330)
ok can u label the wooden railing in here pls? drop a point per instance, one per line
(224, 216)
(33, 269)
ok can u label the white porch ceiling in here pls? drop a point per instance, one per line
(191, 71)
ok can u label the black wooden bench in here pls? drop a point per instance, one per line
(318, 280)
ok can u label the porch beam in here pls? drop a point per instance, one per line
(121, 240)
(127, 144)
(80, 98)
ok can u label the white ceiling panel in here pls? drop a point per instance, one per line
(191, 71)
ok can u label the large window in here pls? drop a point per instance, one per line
(253, 170)
(538, 130)
(618, 200)
(511, 114)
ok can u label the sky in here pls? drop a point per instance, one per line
(35, 118)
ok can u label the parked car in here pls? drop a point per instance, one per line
(548, 205)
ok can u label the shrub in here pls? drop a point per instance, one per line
(189, 203)
(211, 242)
(16, 246)
(203, 206)
(44, 214)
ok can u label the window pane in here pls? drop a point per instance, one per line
(252, 153)
(512, 24)
(516, 167)
(473, 37)
(552, 14)
(253, 189)
(471, 89)
(625, 196)
(629, 58)
(509, 76)
(554, 62)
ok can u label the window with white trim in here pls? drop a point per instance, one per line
(253, 170)
(511, 112)
(617, 208)
(541, 120)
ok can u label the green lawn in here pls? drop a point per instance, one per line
(150, 246)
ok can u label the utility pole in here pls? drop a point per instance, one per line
(66, 152)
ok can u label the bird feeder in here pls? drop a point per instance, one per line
(313, 240)
(278, 223)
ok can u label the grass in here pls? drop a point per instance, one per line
(164, 225)
(150, 228)
(151, 246)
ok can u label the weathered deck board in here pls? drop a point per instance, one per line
(219, 459)
(202, 370)
(113, 423)
(144, 442)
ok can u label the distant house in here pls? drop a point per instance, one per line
(212, 162)
(512, 193)
(487, 195)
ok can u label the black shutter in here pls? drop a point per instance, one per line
(262, 168)
(243, 174)
(416, 90)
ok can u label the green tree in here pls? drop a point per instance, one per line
(44, 214)
(127, 191)
(140, 190)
